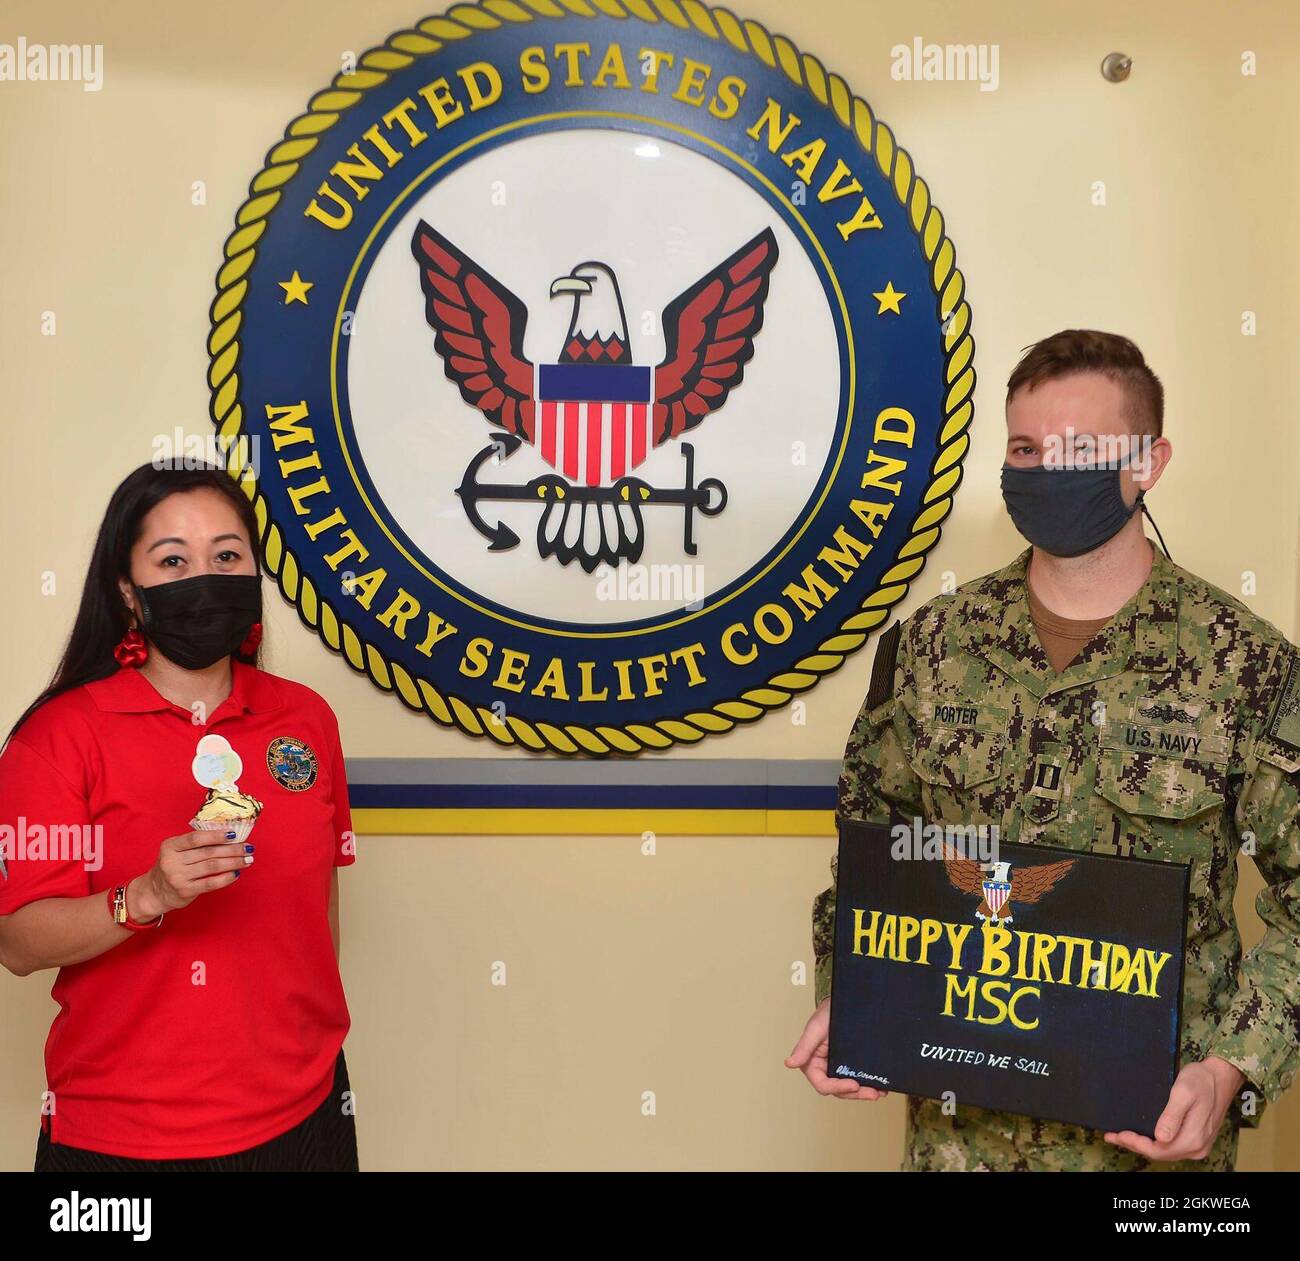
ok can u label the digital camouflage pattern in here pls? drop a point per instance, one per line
(1174, 735)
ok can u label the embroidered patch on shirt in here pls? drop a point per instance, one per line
(1132, 737)
(1171, 726)
(882, 669)
(292, 763)
(1285, 723)
(962, 712)
(1169, 711)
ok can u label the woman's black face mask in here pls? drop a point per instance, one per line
(194, 622)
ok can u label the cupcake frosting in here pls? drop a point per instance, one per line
(229, 803)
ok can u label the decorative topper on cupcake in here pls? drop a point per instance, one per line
(217, 767)
(216, 763)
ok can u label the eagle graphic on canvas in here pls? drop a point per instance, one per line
(997, 888)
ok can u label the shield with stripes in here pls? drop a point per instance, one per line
(996, 893)
(595, 419)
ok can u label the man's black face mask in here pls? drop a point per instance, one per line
(1067, 511)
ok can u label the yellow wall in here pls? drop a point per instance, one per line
(629, 973)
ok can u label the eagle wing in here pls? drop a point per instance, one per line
(480, 331)
(964, 874)
(1028, 884)
(709, 334)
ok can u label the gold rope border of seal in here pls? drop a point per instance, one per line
(804, 71)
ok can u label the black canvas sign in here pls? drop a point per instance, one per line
(1047, 983)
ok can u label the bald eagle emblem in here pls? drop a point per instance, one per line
(997, 888)
(593, 415)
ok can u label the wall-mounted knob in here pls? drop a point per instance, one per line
(1115, 67)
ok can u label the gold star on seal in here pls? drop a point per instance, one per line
(295, 289)
(889, 298)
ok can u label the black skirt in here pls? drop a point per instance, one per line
(325, 1142)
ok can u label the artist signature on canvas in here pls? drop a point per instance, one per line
(845, 1071)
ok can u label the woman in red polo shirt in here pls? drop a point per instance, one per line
(172, 818)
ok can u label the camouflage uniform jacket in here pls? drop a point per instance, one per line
(1175, 735)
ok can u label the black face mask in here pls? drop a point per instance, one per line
(197, 621)
(1066, 512)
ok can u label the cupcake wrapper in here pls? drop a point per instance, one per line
(240, 827)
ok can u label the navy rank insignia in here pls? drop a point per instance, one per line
(292, 763)
(600, 380)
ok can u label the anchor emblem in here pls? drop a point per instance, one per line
(592, 524)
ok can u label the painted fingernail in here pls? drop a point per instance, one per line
(238, 874)
(248, 849)
(248, 858)
(230, 836)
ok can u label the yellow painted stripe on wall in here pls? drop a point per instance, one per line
(524, 821)
(801, 822)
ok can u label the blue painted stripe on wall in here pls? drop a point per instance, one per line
(591, 796)
(649, 771)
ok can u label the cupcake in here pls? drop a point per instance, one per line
(228, 809)
(217, 767)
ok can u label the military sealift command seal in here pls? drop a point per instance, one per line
(601, 379)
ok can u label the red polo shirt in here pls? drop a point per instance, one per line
(219, 1029)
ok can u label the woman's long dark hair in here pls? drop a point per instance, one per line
(103, 618)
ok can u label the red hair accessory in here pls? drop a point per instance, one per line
(131, 651)
(251, 640)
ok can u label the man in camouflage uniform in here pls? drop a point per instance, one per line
(1173, 735)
